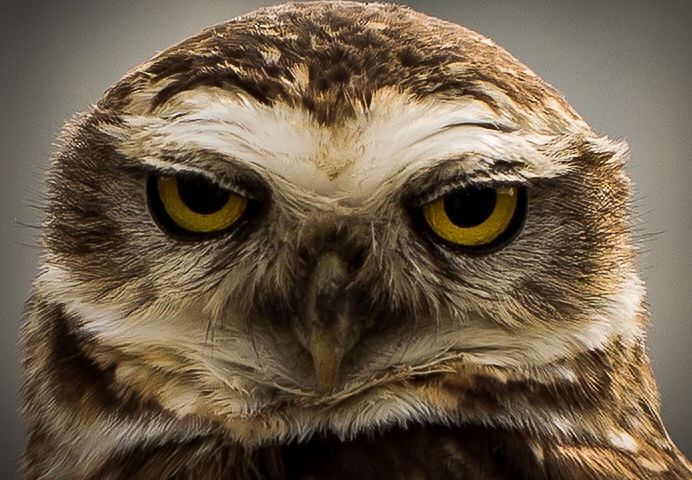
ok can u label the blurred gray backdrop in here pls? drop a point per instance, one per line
(625, 66)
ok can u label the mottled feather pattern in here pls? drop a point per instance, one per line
(150, 357)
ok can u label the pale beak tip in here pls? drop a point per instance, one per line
(326, 359)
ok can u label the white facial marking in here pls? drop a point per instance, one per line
(623, 441)
(396, 136)
(537, 345)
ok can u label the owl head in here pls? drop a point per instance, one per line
(335, 217)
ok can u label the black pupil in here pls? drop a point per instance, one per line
(469, 208)
(202, 196)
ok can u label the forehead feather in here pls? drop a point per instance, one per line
(330, 58)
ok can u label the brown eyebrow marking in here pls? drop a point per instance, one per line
(487, 125)
(497, 127)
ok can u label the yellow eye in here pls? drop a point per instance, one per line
(193, 205)
(477, 218)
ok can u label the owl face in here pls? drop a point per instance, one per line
(294, 222)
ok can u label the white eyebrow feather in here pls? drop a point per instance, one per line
(395, 136)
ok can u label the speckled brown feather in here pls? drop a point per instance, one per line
(329, 70)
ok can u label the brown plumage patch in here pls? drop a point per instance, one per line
(330, 57)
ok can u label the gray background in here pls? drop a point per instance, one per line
(626, 66)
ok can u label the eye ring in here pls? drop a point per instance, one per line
(192, 206)
(476, 220)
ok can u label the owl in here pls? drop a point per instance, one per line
(337, 240)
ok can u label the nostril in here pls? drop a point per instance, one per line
(304, 254)
(357, 259)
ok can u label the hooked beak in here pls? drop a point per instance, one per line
(327, 329)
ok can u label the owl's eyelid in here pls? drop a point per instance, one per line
(232, 185)
(469, 170)
(460, 183)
